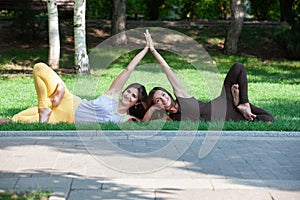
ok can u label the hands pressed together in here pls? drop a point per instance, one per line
(149, 42)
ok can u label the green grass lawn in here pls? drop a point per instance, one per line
(274, 82)
(273, 85)
(37, 195)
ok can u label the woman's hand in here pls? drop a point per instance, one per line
(149, 113)
(149, 41)
(133, 119)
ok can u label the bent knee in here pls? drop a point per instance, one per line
(39, 67)
(238, 65)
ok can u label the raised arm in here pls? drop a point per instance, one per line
(120, 80)
(177, 86)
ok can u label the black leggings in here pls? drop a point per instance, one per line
(237, 75)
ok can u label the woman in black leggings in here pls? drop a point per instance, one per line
(232, 104)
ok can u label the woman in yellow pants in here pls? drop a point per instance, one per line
(51, 92)
(57, 104)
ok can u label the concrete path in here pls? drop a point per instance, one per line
(152, 165)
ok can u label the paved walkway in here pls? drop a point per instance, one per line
(152, 165)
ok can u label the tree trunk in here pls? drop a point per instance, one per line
(235, 27)
(153, 8)
(81, 59)
(286, 7)
(54, 42)
(119, 21)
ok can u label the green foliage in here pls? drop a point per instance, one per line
(29, 24)
(190, 9)
(183, 9)
(211, 9)
(171, 10)
(149, 9)
(296, 12)
(15, 56)
(37, 195)
(135, 9)
(6, 14)
(265, 9)
(98, 9)
(289, 34)
(289, 39)
(153, 8)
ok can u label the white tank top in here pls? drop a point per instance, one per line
(103, 109)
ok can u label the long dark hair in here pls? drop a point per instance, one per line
(151, 94)
(158, 114)
(139, 110)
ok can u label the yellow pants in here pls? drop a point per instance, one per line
(46, 82)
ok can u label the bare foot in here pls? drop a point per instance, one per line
(235, 94)
(44, 114)
(246, 111)
(4, 121)
(57, 96)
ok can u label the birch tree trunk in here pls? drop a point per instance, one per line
(81, 58)
(54, 42)
(235, 27)
(119, 21)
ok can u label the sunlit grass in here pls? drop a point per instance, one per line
(37, 195)
(273, 85)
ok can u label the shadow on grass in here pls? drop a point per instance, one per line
(278, 73)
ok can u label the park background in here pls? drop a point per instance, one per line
(268, 44)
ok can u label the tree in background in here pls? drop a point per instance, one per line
(171, 10)
(27, 24)
(264, 9)
(235, 26)
(31, 24)
(213, 9)
(286, 10)
(81, 59)
(153, 8)
(189, 9)
(118, 25)
(98, 9)
(54, 41)
(288, 36)
(135, 9)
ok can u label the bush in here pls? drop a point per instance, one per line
(289, 39)
(29, 24)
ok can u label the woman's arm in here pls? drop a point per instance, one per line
(177, 86)
(120, 80)
(149, 114)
